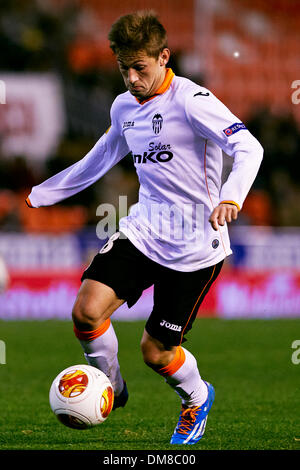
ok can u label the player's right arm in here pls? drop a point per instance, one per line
(106, 153)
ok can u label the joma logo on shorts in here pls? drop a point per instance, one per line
(171, 326)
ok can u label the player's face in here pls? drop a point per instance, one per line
(142, 74)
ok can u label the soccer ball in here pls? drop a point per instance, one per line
(81, 396)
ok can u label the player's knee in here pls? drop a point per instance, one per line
(153, 356)
(85, 314)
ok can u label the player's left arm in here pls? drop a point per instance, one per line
(214, 121)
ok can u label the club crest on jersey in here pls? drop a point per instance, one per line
(157, 123)
(234, 128)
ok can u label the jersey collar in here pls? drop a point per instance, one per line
(163, 88)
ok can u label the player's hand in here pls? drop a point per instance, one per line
(223, 212)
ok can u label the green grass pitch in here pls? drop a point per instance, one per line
(249, 362)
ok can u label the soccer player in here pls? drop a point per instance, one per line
(175, 238)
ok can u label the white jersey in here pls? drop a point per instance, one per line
(176, 139)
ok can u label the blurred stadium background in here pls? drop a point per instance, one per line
(58, 80)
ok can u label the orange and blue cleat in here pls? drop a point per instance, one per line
(192, 421)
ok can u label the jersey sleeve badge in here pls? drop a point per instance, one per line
(238, 126)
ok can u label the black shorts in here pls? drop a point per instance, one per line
(177, 295)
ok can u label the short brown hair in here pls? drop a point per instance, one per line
(139, 31)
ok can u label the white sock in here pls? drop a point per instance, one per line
(187, 382)
(102, 352)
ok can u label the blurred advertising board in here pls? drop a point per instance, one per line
(45, 273)
(265, 248)
(32, 119)
(262, 277)
(241, 293)
(47, 295)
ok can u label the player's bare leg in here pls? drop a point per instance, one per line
(155, 354)
(94, 304)
(93, 307)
